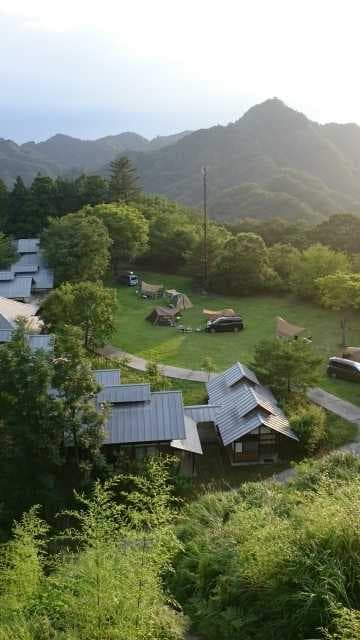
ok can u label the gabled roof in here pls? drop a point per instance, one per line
(161, 419)
(35, 341)
(28, 245)
(125, 393)
(238, 372)
(107, 377)
(20, 287)
(202, 412)
(225, 383)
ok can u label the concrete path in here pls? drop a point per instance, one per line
(336, 405)
(140, 364)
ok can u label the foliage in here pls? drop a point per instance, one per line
(77, 247)
(217, 237)
(123, 180)
(88, 305)
(272, 560)
(18, 223)
(7, 251)
(341, 292)
(340, 232)
(243, 266)
(284, 259)
(287, 366)
(127, 228)
(316, 262)
(157, 381)
(309, 424)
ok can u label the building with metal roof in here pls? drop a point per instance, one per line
(5, 276)
(17, 289)
(107, 377)
(43, 280)
(124, 394)
(28, 245)
(36, 341)
(249, 421)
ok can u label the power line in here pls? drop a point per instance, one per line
(204, 172)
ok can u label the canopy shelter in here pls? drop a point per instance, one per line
(352, 353)
(151, 290)
(286, 330)
(178, 300)
(222, 313)
(161, 312)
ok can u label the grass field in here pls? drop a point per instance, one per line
(169, 346)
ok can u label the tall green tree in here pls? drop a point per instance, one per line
(128, 230)
(217, 237)
(77, 247)
(7, 251)
(42, 203)
(340, 292)
(123, 180)
(340, 232)
(287, 366)
(317, 261)
(284, 259)
(87, 305)
(18, 223)
(4, 201)
(92, 190)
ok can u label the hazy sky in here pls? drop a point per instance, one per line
(89, 68)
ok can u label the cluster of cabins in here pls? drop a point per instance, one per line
(29, 276)
(241, 416)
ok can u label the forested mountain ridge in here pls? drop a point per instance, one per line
(63, 155)
(287, 165)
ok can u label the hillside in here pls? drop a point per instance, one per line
(297, 168)
(62, 154)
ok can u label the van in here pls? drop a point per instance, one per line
(343, 368)
(129, 278)
(225, 323)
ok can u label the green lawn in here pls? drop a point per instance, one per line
(169, 346)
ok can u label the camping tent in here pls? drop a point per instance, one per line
(212, 315)
(151, 290)
(178, 300)
(161, 312)
(352, 353)
(286, 330)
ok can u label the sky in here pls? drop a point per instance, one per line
(90, 69)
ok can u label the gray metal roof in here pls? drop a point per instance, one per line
(45, 342)
(28, 245)
(43, 279)
(159, 420)
(5, 335)
(125, 393)
(5, 324)
(192, 441)
(202, 412)
(6, 275)
(107, 377)
(19, 288)
(26, 260)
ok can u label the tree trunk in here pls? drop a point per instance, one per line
(343, 331)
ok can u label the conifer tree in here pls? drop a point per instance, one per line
(124, 180)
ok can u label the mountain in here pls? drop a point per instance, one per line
(272, 161)
(62, 154)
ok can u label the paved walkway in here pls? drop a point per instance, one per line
(336, 405)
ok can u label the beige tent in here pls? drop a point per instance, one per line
(352, 353)
(151, 290)
(160, 313)
(212, 315)
(286, 330)
(180, 301)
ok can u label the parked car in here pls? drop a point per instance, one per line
(343, 368)
(233, 323)
(129, 278)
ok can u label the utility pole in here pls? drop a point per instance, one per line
(204, 172)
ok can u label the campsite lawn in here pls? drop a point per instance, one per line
(170, 346)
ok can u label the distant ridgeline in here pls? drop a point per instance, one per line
(272, 162)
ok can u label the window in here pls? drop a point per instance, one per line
(238, 447)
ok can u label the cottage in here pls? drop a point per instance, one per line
(29, 275)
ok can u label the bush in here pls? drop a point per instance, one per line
(309, 424)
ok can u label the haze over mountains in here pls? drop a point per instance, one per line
(273, 161)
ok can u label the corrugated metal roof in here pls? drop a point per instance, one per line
(5, 335)
(159, 420)
(202, 412)
(124, 393)
(238, 372)
(28, 245)
(5, 324)
(6, 276)
(19, 288)
(192, 441)
(107, 377)
(45, 342)
(231, 431)
(43, 279)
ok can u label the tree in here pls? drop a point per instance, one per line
(209, 366)
(341, 232)
(284, 259)
(4, 201)
(287, 367)
(309, 424)
(123, 181)
(77, 247)
(87, 305)
(7, 251)
(317, 261)
(127, 228)
(172, 236)
(42, 204)
(217, 236)
(243, 266)
(340, 292)
(18, 223)
(91, 190)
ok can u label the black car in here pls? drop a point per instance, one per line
(233, 323)
(343, 368)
